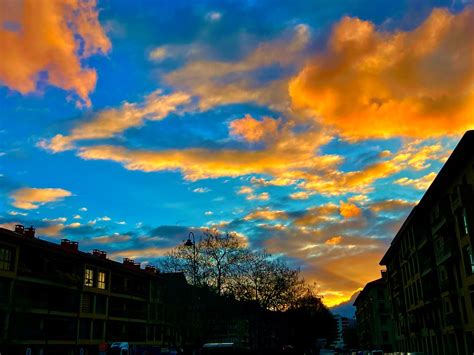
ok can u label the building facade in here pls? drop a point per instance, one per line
(57, 299)
(342, 323)
(430, 263)
(374, 327)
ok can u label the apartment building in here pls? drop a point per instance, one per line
(342, 323)
(430, 263)
(56, 299)
(374, 328)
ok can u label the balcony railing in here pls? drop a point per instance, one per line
(444, 249)
(446, 285)
(452, 319)
(461, 196)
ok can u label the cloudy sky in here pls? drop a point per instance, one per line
(311, 128)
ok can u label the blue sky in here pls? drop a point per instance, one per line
(311, 128)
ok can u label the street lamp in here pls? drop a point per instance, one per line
(192, 243)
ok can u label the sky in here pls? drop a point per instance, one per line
(310, 128)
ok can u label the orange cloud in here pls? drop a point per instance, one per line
(110, 122)
(52, 36)
(316, 215)
(334, 182)
(382, 84)
(266, 214)
(340, 278)
(108, 239)
(339, 265)
(207, 79)
(421, 183)
(149, 252)
(349, 210)
(253, 130)
(417, 156)
(334, 240)
(391, 205)
(264, 196)
(31, 198)
(53, 230)
(245, 190)
(204, 163)
(300, 195)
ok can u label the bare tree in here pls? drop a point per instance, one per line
(224, 263)
(215, 262)
(268, 281)
(222, 254)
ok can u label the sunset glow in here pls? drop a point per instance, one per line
(311, 130)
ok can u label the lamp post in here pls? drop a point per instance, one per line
(192, 243)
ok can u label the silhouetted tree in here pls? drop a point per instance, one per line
(218, 256)
(268, 281)
(309, 319)
(224, 263)
(222, 253)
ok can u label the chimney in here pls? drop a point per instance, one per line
(131, 263)
(30, 232)
(66, 244)
(128, 262)
(75, 246)
(150, 269)
(99, 253)
(20, 229)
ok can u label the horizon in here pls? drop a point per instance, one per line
(309, 130)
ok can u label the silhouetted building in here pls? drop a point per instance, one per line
(430, 263)
(342, 324)
(374, 327)
(57, 298)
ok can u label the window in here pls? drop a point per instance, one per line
(469, 260)
(5, 259)
(464, 219)
(89, 277)
(101, 280)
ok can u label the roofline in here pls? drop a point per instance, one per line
(466, 142)
(57, 248)
(367, 287)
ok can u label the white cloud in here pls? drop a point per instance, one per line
(55, 220)
(16, 213)
(158, 54)
(201, 190)
(213, 16)
(264, 196)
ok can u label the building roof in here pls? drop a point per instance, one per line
(458, 159)
(17, 238)
(367, 288)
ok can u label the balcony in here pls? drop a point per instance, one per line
(56, 276)
(426, 266)
(444, 249)
(452, 319)
(447, 285)
(461, 196)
